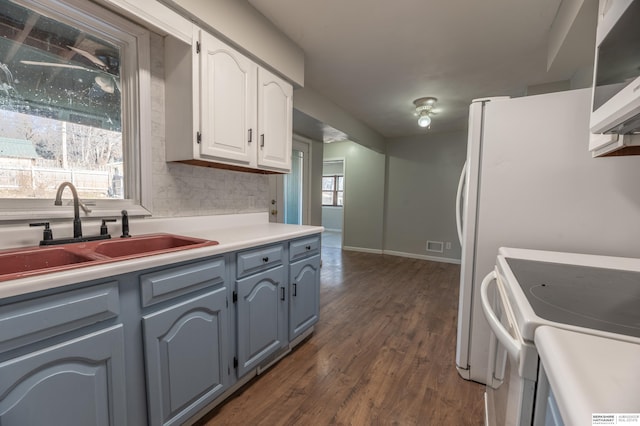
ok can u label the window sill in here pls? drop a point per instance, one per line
(36, 211)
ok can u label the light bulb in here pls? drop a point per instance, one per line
(424, 120)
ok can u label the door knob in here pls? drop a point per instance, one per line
(274, 212)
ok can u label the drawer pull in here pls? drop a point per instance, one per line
(295, 289)
(265, 259)
(308, 248)
(282, 296)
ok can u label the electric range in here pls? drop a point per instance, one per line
(591, 294)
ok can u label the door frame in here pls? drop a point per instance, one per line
(303, 144)
(344, 192)
(276, 184)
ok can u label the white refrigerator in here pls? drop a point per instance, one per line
(530, 182)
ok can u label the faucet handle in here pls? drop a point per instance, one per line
(47, 233)
(103, 227)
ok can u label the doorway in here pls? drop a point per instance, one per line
(289, 194)
(333, 202)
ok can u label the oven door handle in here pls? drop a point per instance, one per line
(512, 346)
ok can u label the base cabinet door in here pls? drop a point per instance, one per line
(304, 305)
(186, 357)
(261, 317)
(77, 382)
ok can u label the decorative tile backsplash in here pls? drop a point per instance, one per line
(184, 190)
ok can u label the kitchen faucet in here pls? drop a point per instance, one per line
(77, 225)
(47, 236)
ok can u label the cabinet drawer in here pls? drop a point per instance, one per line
(173, 282)
(305, 247)
(33, 320)
(253, 261)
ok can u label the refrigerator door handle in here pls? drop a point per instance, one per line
(512, 346)
(461, 182)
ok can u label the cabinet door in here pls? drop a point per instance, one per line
(262, 317)
(78, 382)
(304, 305)
(186, 357)
(227, 103)
(275, 109)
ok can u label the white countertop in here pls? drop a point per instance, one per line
(589, 374)
(233, 232)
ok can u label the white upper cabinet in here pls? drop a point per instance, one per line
(224, 110)
(275, 106)
(227, 103)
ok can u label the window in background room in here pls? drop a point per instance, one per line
(70, 91)
(332, 190)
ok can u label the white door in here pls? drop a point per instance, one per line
(276, 198)
(228, 103)
(290, 199)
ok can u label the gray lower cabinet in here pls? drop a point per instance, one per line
(261, 317)
(186, 357)
(304, 303)
(186, 344)
(62, 358)
(76, 382)
(90, 354)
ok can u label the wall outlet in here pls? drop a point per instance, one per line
(447, 245)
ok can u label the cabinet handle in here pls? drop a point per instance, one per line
(295, 289)
(308, 247)
(265, 259)
(282, 296)
(262, 140)
(250, 135)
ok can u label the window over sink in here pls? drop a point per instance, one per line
(74, 106)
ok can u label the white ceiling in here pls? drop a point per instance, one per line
(374, 57)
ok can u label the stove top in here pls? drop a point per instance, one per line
(590, 297)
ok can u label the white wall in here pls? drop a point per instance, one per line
(315, 213)
(422, 178)
(317, 106)
(241, 24)
(332, 218)
(364, 194)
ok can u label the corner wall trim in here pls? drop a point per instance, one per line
(422, 256)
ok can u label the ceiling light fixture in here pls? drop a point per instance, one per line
(424, 109)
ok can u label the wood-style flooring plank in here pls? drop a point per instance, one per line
(383, 353)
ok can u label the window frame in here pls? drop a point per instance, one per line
(134, 42)
(334, 191)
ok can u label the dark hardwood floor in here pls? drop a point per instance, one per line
(383, 353)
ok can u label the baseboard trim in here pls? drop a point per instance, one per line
(422, 257)
(362, 249)
(403, 254)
